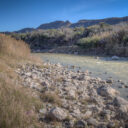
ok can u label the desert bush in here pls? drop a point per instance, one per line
(88, 42)
(94, 41)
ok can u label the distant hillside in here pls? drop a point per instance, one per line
(111, 21)
(81, 23)
(55, 25)
(24, 30)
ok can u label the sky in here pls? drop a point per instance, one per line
(18, 14)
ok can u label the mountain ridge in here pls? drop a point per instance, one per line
(81, 23)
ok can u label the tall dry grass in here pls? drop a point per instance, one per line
(17, 105)
(12, 47)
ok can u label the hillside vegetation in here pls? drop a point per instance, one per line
(114, 42)
(101, 38)
(16, 103)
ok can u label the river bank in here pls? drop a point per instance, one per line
(103, 67)
(73, 49)
(74, 98)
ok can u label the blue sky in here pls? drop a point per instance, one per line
(17, 14)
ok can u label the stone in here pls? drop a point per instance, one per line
(57, 113)
(45, 83)
(72, 94)
(34, 76)
(115, 58)
(92, 121)
(111, 125)
(107, 91)
(76, 113)
(42, 111)
(39, 88)
(126, 86)
(118, 101)
(88, 114)
(28, 74)
(80, 124)
(121, 103)
(109, 81)
(106, 114)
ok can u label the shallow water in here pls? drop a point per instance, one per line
(102, 67)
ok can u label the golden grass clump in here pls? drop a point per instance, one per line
(18, 107)
(13, 47)
(51, 98)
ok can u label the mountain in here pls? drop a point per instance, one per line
(80, 23)
(25, 30)
(111, 21)
(55, 25)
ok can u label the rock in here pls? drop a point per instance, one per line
(76, 113)
(28, 74)
(81, 77)
(126, 86)
(111, 125)
(39, 88)
(86, 96)
(109, 81)
(88, 114)
(118, 101)
(121, 103)
(34, 76)
(42, 111)
(80, 124)
(120, 86)
(119, 81)
(58, 65)
(57, 114)
(93, 122)
(106, 114)
(102, 126)
(84, 99)
(72, 94)
(68, 123)
(45, 83)
(115, 58)
(107, 91)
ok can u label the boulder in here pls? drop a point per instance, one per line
(80, 124)
(88, 114)
(57, 113)
(107, 91)
(121, 103)
(92, 121)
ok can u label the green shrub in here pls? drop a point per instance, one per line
(89, 42)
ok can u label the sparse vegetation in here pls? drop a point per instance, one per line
(102, 37)
(51, 98)
(114, 42)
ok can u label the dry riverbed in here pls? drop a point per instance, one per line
(74, 99)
